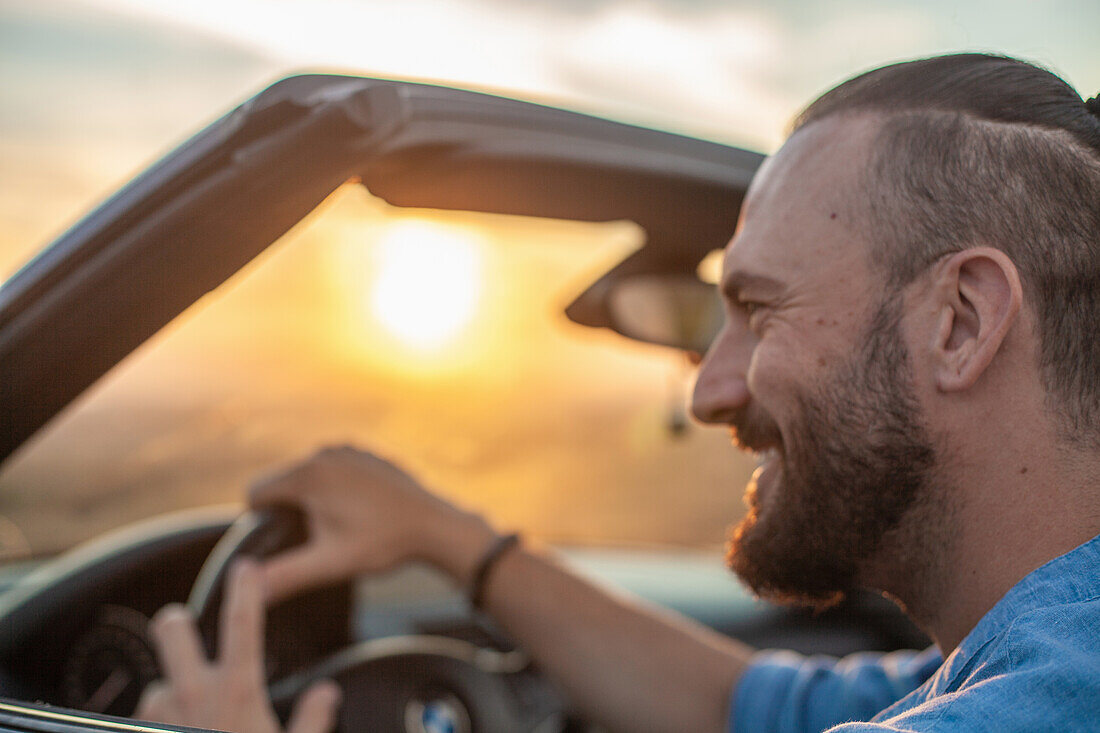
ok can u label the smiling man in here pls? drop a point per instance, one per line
(911, 301)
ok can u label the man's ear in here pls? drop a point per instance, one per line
(979, 297)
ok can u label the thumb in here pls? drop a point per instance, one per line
(296, 570)
(315, 711)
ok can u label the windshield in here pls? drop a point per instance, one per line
(437, 339)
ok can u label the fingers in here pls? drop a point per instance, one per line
(153, 704)
(241, 631)
(295, 483)
(295, 570)
(179, 647)
(228, 693)
(291, 485)
(282, 488)
(315, 711)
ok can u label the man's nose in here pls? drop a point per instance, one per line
(721, 389)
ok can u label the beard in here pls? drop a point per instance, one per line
(856, 461)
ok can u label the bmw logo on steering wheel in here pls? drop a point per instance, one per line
(441, 713)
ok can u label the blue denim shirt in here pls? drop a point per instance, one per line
(1031, 664)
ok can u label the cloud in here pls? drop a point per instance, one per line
(737, 72)
(698, 71)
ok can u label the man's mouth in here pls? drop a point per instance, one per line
(763, 457)
(758, 437)
(763, 477)
(767, 463)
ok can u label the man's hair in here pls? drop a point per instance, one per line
(986, 150)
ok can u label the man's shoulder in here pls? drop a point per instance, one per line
(1054, 631)
(1041, 672)
(1059, 643)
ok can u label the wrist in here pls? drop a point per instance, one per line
(476, 588)
(457, 544)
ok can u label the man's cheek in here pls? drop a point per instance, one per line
(767, 374)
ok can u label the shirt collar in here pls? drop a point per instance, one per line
(1069, 578)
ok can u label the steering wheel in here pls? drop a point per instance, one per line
(417, 683)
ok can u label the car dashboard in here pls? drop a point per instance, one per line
(74, 628)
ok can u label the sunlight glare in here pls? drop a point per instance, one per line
(709, 269)
(428, 283)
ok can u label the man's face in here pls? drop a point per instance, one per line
(811, 372)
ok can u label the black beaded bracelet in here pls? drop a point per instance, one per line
(476, 590)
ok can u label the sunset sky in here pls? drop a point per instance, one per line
(94, 89)
(475, 395)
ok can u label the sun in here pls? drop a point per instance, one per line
(428, 280)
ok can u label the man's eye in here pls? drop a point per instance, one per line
(748, 307)
(756, 313)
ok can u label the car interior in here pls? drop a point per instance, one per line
(172, 345)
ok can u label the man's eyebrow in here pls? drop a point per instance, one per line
(733, 283)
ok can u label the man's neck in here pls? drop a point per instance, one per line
(958, 554)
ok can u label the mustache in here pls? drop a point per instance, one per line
(754, 430)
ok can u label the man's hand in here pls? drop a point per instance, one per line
(620, 663)
(363, 515)
(228, 693)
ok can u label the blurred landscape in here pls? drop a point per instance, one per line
(543, 425)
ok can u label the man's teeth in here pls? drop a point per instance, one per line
(764, 456)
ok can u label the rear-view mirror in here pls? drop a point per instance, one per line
(679, 310)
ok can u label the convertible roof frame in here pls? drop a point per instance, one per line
(187, 224)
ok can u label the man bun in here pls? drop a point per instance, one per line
(1093, 105)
